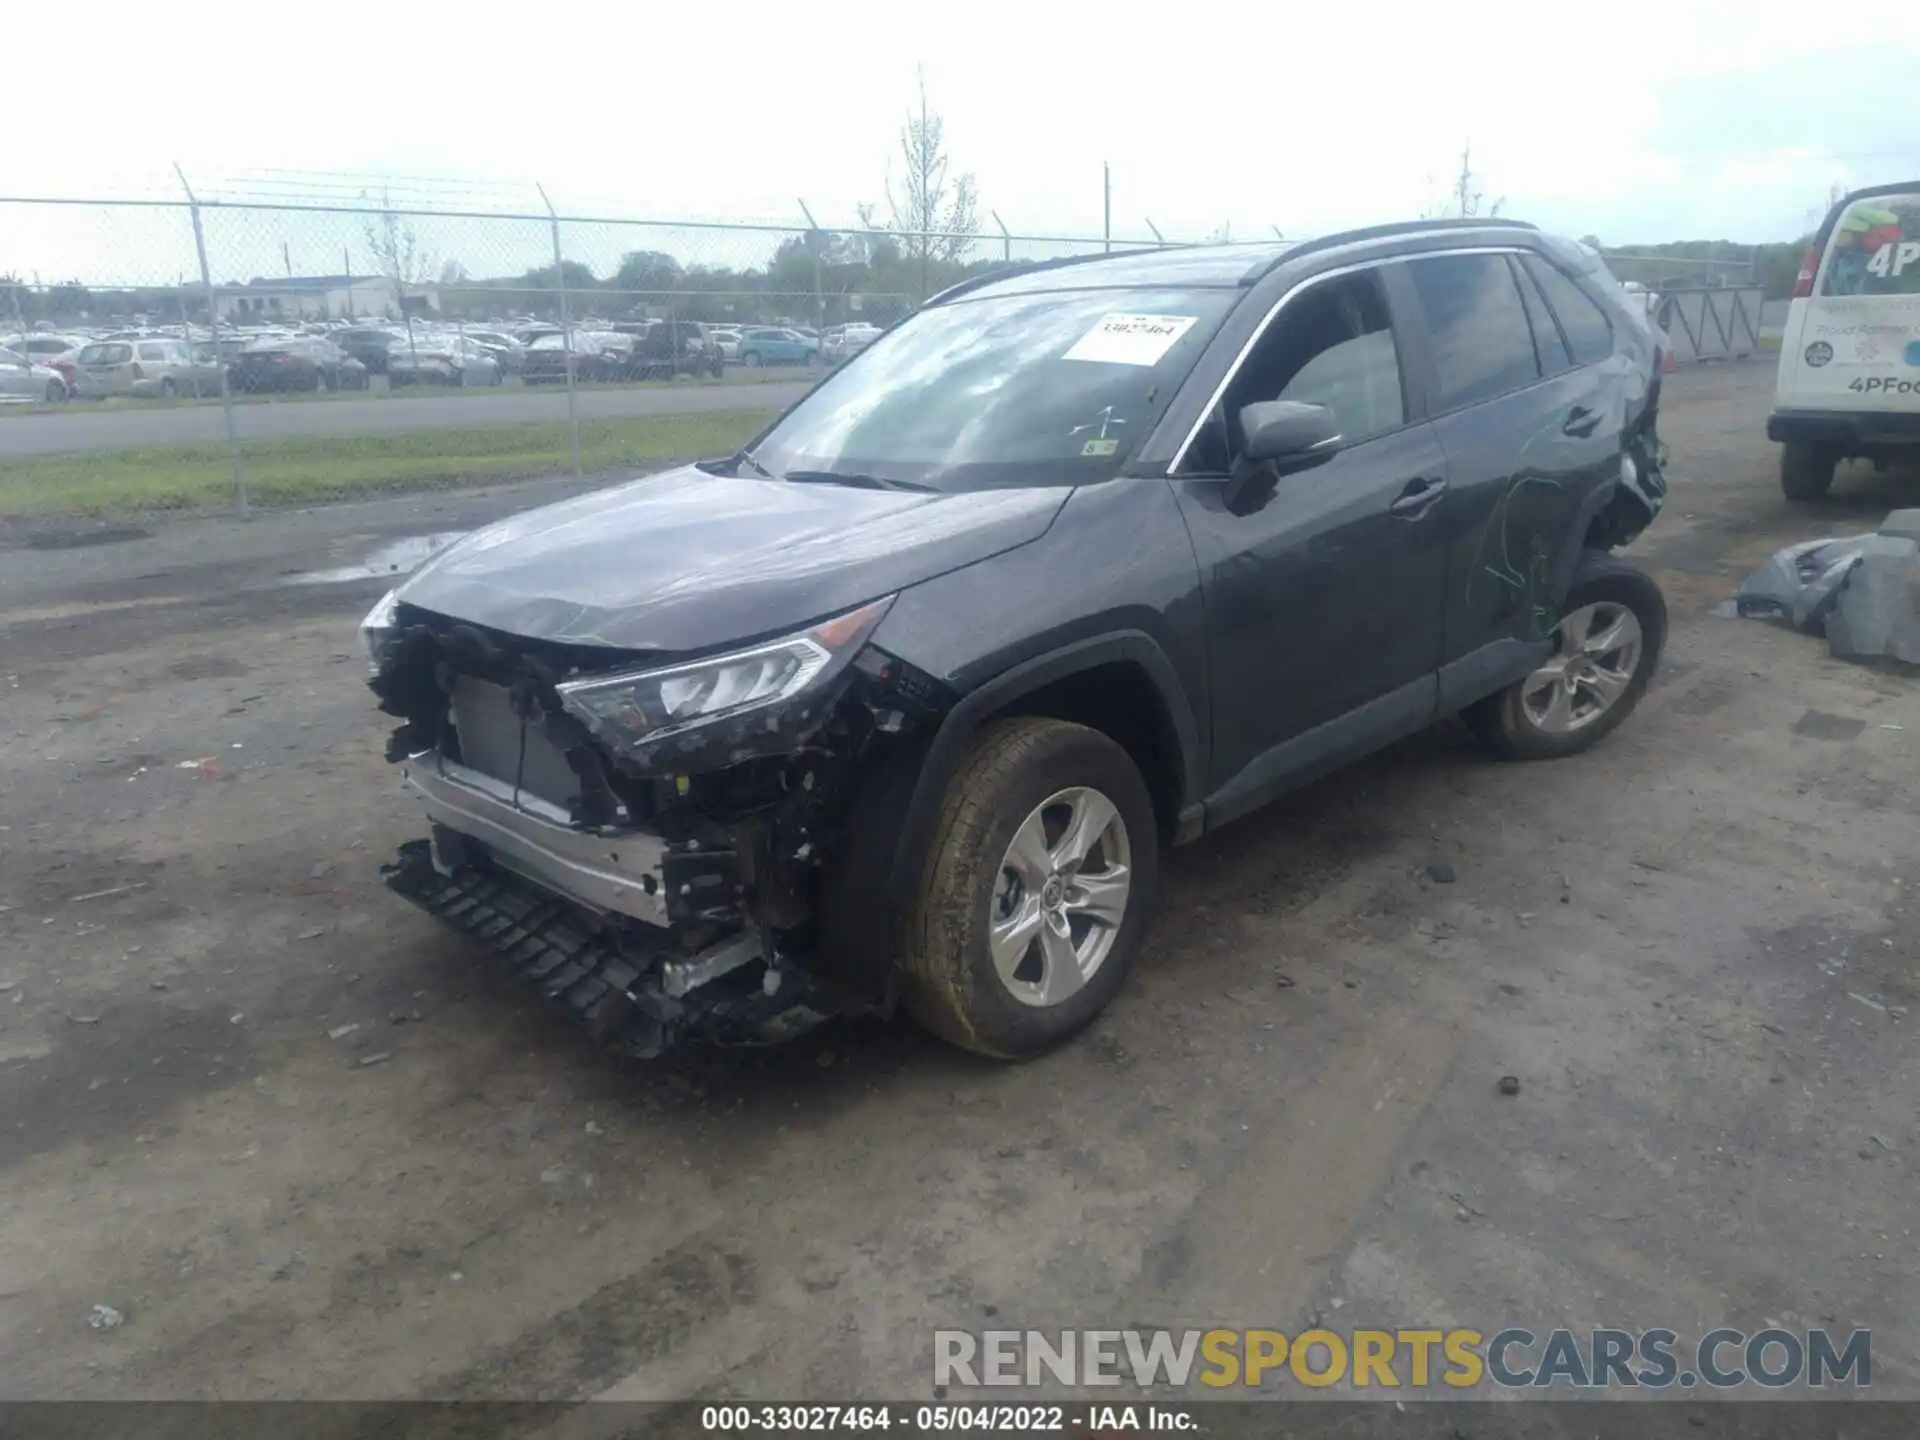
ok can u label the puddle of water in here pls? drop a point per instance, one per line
(395, 560)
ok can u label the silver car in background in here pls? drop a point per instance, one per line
(441, 359)
(145, 366)
(23, 382)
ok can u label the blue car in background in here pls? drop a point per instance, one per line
(777, 347)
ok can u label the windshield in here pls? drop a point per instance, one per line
(1875, 249)
(1033, 389)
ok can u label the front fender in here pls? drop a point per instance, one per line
(963, 721)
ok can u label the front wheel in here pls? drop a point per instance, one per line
(751, 359)
(1036, 889)
(1806, 471)
(1605, 650)
(56, 392)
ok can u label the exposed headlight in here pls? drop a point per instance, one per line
(377, 630)
(644, 706)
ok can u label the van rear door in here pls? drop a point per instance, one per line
(1852, 340)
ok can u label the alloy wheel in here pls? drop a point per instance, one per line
(1060, 896)
(1597, 651)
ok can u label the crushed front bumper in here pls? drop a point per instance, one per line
(625, 983)
(617, 871)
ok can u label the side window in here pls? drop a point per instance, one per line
(1548, 343)
(1482, 346)
(1589, 335)
(153, 352)
(1331, 345)
(1588, 331)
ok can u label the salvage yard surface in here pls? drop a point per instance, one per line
(306, 1143)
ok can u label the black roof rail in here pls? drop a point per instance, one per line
(1007, 272)
(1386, 232)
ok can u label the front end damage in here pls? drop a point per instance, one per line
(646, 837)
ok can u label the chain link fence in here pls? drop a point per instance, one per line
(212, 353)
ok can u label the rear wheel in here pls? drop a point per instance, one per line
(751, 359)
(1806, 471)
(1035, 891)
(1605, 650)
(56, 392)
(168, 390)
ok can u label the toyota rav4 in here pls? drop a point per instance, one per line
(900, 705)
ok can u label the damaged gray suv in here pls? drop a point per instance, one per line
(900, 705)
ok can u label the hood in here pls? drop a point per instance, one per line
(685, 561)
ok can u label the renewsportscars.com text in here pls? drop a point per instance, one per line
(1512, 1358)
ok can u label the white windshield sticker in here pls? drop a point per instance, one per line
(1130, 339)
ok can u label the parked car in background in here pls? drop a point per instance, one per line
(843, 342)
(155, 366)
(727, 339)
(663, 349)
(56, 352)
(442, 359)
(369, 345)
(1848, 383)
(298, 362)
(509, 352)
(777, 347)
(598, 355)
(22, 381)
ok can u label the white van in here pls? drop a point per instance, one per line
(1850, 358)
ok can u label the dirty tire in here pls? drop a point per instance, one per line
(1806, 471)
(949, 982)
(1500, 719)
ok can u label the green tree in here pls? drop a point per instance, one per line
(646, 270)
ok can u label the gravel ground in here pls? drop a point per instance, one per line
(309, 1145)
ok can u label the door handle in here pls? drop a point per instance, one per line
(1418, 498)
(1581, 422)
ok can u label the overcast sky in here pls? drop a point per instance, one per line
(1641, 120)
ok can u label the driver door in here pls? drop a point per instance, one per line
(1324, 602)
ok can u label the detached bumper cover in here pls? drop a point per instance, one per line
(1844, 428)
(618, 988)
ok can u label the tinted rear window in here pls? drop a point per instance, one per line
(1875, 248)
(1589, 333)
(1482, 344)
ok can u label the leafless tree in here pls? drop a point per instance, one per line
(934, 213)
(1463, 199)
(396, 249)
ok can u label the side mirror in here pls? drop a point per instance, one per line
(1282, 437)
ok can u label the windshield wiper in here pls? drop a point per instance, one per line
(852, 478)
(744, 458)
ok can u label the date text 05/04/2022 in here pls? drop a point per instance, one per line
(984, 1419)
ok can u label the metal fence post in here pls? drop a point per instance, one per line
(213, 327)
(1006, 239)
(566, 327)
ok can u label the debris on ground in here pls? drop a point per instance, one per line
(1878, 611)
(1509, 1084)
(105, 1317)
(340, 1032)
(1442, 873)
(108, 893)
(1797, 586)
(1862, 592)
(379, 1057)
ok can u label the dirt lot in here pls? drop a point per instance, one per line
(1695, 947)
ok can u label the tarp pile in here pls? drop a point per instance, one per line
(1862, 592)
